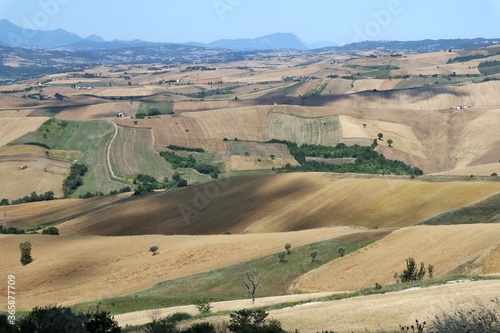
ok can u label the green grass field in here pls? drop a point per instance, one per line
(89, 137)
(147, 108)
(258, 149)
(47, 112)
(324, 130)
(132, 153)
(225, 283)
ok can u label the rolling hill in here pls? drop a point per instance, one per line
(71, 269)
(280, 203)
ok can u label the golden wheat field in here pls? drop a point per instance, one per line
(445, 247)
(13, 128)
(101, 267)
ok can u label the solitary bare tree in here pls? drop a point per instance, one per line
(250, 281)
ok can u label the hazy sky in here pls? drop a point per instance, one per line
(343, 21)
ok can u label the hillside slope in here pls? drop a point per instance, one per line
(74, 269)
(282, 202)
(445, 247)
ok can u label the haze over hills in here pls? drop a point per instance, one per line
(274, 41)
(13, 35)
(16, 36)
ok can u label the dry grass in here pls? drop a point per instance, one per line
(73, 269)
(40, 175)
(480, 135)
(445, 247)
(385, 312)
(89, 112)
(19, 113)
(283, 202)
(13, 128)
(36, 213)
(324, 130)
(381, 312)
(126, 91)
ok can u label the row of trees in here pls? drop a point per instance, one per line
(75, 178)
(367, 160)
(190, 162)
(34, 197)
(55, 319)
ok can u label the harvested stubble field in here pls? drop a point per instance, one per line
(385, 312)
(20, 175)
(380, 312)
(38, 213)
(89, 112)
(13, 128)
(283, 202)
(40, 175)
(95, 268)
(445, 247)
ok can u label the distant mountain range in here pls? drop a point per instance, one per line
(15, 36)
(277, 41)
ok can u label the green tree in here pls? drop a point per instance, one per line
(390, 142)
(203, 305)
(253, 321)
(164, 325)
(380, 136)
(430, 269)
(50, 231)
(282, 256)
(411, 272)
(176, 177)
(314, 254)
(288, 246)
(201, 328)
(341, 251)
(153, 249)
(52, 319)
(25, 253)
(5, 327)
(101, 322)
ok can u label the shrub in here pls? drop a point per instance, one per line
(153, 249)
(417, 328)
(25, 253)
(182, 183)
(203, 306)
(282, 256)
(253, 321)
(475, 319)
(52, 319)
(412, 273)
(50, 231)
(341, 251)
(161, 326)
(314, 254)
(288, 246)
(177, 317)
(201, 328)
(101, 321)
